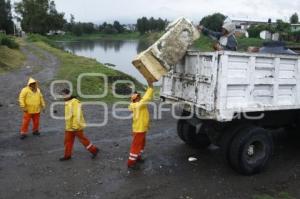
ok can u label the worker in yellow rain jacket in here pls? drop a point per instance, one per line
(140, 125)
(74, 127)
(31, 102)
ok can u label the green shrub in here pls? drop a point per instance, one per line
(37, 38)
(8, 41)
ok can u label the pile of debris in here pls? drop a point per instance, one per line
(157, 60)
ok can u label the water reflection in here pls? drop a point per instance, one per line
(116, 52)
(142, 45)
(90, 45)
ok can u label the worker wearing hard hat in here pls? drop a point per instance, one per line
(140, 125)
(74, 125)
(31, 102)
(226, 38)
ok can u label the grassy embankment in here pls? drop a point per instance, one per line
(71, 66)
(149, 37)
(95, 36)
(10, 55)
(205, 43)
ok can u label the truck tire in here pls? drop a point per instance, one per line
(188, 134)
(250, 150)
(180, 124)
(226, 139)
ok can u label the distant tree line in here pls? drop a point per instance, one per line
(215, 21)
(281, 27)
(39, 16)
(79, 28)
(144, 25)
(116, 27)
(6, 22)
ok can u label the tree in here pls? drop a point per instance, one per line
(294, 18)
(72, 19)
(6, 22)
(39, 16)
(77, 29)
(142, 25)
(55, 20)
(161, 24)
(68, 26)
(109, 29)
(213, 22)
(118, 27)
(255, 30)
(152, 24)
(282, 26)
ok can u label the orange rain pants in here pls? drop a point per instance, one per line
(137, 147)
(26, 120)
(69, 142)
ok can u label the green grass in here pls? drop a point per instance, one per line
(72, 66)
(10, 58)
(204, 44)
(95, 36)
(244, 43)
(8, 41)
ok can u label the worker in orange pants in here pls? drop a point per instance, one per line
(137, 148)
(32, 103)
(35, 117)
(69, 142)
(140, 124)
(74, 127)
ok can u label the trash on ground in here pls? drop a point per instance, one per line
(192, 159)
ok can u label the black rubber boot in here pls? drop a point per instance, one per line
(94, 155)
(64, 159)
(37, 133)
(22, 137)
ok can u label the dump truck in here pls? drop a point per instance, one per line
(235, 100)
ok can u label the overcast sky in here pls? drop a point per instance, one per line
(127, 11)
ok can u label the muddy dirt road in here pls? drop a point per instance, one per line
(30, 168)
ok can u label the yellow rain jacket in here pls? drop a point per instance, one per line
(74, 116)
(31, 101)
(140, 118)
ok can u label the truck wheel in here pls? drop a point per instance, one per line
(188, 134)
(250, 150)
(180, 124)
(226, 139)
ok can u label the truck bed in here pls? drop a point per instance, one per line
(217, 85)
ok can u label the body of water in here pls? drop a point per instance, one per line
(119, 53)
